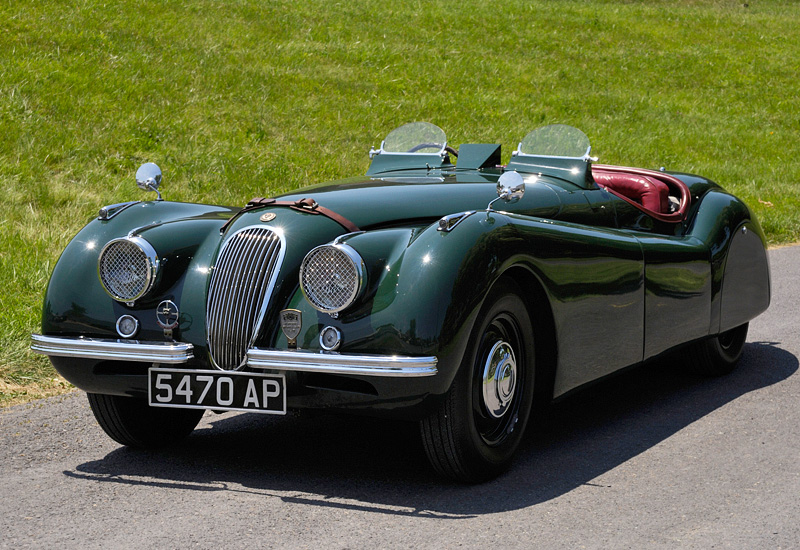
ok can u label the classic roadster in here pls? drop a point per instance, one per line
(442, 287)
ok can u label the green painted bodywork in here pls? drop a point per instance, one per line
(389, 163)
(620, 288)
(575, 171)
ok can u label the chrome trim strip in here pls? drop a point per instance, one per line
(585, 157)
(108, 212)
(338, 363)
(115, 350)
(372, 152)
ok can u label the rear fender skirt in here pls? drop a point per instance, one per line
(746, 283)
(720, 219)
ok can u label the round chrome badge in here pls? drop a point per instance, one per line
(268, 216)
(167, 314)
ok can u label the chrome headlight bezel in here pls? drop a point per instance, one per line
(355, 287)
(149, 272)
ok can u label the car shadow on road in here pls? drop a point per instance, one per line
(377, 465)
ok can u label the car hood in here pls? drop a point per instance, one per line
(377, 201)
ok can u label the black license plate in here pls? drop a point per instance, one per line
(217, 390)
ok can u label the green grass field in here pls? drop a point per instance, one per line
(242, 98)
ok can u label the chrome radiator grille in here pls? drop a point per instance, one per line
(241, 284)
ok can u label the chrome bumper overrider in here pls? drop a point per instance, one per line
(337, 363)
(115, 350)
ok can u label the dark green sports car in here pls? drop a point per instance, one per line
(442, 287)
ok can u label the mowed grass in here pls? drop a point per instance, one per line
(242, 98)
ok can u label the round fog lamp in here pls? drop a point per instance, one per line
(330, 338)
(127, 326)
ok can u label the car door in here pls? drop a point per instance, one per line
(677, 281)
(594, 279)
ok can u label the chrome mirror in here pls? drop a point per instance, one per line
(510, 188)
(148, 177)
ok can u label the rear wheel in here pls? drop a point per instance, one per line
(473, 435)
(133, 422)
(719, 355)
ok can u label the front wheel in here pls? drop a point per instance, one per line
(720, 354)
(133, 422)
(473, 435)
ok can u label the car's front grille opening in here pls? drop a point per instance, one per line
(322, 381)
(241, 283)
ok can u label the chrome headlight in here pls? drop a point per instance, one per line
(127, 268)
(332, 277)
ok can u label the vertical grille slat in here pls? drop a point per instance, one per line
(241, 285)
(245, 260)
(224, 291)
(247, 309)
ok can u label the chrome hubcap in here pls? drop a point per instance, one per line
(499, 379)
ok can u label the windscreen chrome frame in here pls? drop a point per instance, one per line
(373, 152)
(585, 158)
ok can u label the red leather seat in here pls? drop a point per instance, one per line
(650, 192)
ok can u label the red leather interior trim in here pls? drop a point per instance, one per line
(649, 192)
(676, 186)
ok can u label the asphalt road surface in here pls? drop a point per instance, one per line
(652, 459)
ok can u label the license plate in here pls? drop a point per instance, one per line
(217, 390)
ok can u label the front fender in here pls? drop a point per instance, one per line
(425, 288)
(75, 302)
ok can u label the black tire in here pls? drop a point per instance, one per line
(133, 422)
(464, 439)
(720, 354)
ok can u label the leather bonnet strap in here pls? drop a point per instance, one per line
(307, 205)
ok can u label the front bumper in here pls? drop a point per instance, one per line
(337, 363)
(170, 353)
(173, 353)
(379, 385)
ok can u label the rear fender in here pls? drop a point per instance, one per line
(739, 263)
